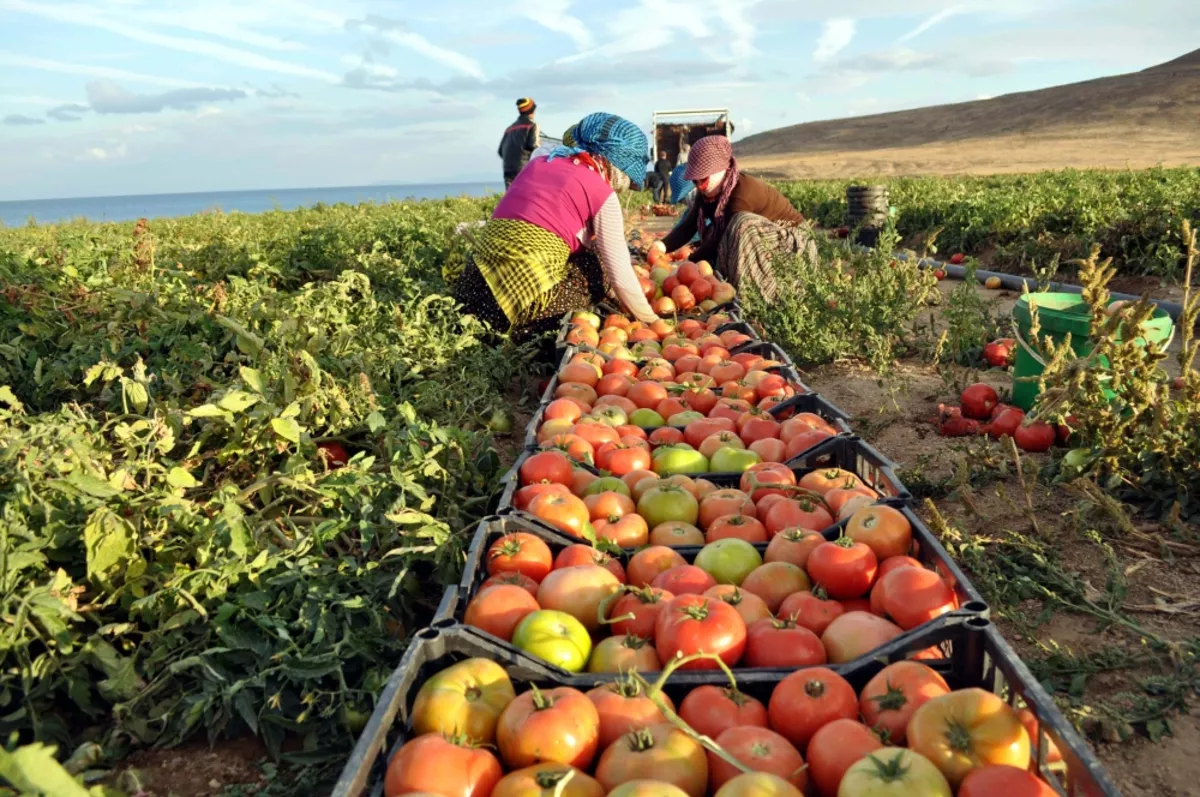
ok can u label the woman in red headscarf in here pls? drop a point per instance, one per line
(743, 222)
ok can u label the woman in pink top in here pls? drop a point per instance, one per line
(556, 242)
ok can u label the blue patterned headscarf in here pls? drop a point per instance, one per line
(680, 186)
(617, 140)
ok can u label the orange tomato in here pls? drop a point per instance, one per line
(882, 528)
(660, 752)
(559, 725)
(624, 707)
(498, 610)
(967, 729)
(542, 780)
(449, 767)
(466, 697)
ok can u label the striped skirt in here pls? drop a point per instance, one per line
(522, 279)
(750, 245)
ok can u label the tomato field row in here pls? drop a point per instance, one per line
(680, 508)
(1017, 220)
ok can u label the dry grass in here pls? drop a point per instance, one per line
(1127, 121)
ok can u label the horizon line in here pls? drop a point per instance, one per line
(253, 191)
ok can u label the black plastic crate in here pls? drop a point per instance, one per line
(801, 402)
(976, 656)
(928, 551)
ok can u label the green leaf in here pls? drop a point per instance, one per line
(178, 477)
(9, 398)
(88, 485)
(33, 769)
(375, 421)
(135, 394)
(109, 542)
(287, 428)
(208, 411)
(253, 379)
(180, 619)
(237, 400)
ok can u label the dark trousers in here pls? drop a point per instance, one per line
(658, 190)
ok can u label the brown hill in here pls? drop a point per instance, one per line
(1132, 120)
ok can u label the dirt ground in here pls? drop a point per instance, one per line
(901, 424)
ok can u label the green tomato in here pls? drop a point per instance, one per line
(591, 319)
(684, 418)
(556, 637)
(668, 503)
(671, 460)
(733, 460)
(647, 419)
(607, 484)
(893, 772)
(611, 416)
(1077, 457)
(659, 275)
(501, 422)
(729, 561)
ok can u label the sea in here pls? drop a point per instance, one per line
(150, 206)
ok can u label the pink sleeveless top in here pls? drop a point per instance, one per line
(560, 196)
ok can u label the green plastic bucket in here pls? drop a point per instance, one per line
(1060, 314)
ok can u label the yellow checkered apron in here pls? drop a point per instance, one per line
(522, 263)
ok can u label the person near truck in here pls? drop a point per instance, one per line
(556, 242)
(743, 222)
(653, 182)
(519, 141)
(662, 170)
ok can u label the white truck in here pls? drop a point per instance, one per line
(673, 131)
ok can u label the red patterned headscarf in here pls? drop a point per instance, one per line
(708, 156)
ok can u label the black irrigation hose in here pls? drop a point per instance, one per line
(1014, 283)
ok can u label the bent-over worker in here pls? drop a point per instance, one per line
(556, 242)
(743, 222)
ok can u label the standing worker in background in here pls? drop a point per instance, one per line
(652, 183)
(519, 141)
(662, 169)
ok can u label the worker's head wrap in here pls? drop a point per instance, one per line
(710, 155)
(568, 136)
(526, 105)
(619, 142)
(680, 185)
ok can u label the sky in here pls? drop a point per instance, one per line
(113, 97)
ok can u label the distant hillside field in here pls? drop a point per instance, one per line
(1127, 121)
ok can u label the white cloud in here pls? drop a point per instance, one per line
(397, 33)
(935, 19)
(836, 34)
(553, 15)
(102, 154)
(87, 70)
(82, 15)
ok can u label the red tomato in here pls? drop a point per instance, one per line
(722, 503)
(793, 546)
(559, 725)
(498, 610)
(760, 749)
(889, 699)
(666, 436)
(855, 634)
(999, 779)
(628, 531)
(648, 563)
(834, 749)
(333, 453)
(636, 611)
(566, 513)
(742, 527)
(808, 699)
(547, 466)
(608, 504)
(619, 458)
(563, 409)
(814, 610)
(583, 554)
(433, 764)
(684, 580)
(623, 707)
(647, 395)
(846, 569)
(759, 429)
(519, 552)
(801, 514)
(751, 607)
(912, 596)
(1006, 423)
(515, 579)
(695, 624)
(782, 643)
(1037, 437)
(711, 710)
(978, 400)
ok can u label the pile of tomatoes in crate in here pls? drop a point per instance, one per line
(694, 402)
(906, 733)
(802, 601)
